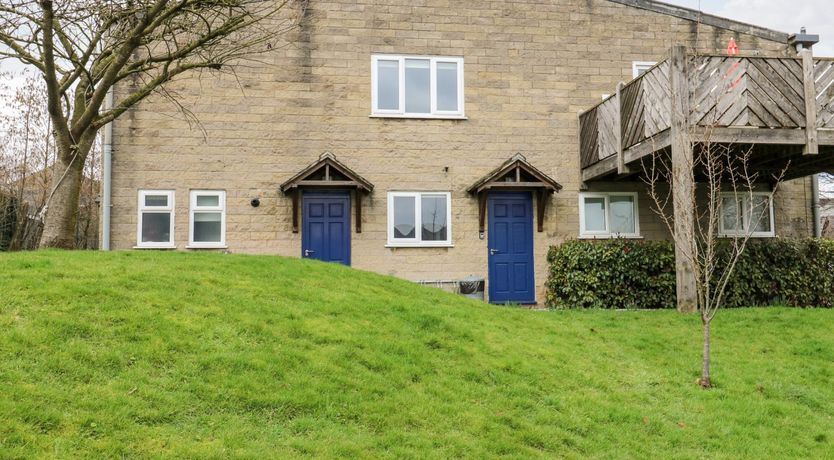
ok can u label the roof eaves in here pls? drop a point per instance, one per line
(708, 19)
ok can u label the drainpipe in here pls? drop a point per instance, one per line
(106, 175)
(815, 204)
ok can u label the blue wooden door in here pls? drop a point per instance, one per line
(510, 216)
(325, 230)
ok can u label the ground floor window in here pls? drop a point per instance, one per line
(743, 213)
(608, 215)
(155, 227)
(207, 227)
(419, 219)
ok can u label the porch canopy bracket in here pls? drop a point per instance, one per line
(515, 174)
(327, 173)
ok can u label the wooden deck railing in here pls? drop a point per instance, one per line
(749, 92)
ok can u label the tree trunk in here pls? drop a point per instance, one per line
(705, 378)
(62, 209)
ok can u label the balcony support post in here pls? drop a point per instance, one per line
(811, 138)
(683, 184)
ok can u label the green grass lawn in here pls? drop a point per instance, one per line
(168, 354)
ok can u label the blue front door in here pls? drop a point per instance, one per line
(325, 232)
(510, 216)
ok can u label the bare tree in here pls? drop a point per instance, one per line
(27, 157)
(726, 207)
(83, 48)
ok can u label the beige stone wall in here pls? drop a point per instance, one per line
(530, 67)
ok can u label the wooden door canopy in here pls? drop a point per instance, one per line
(327, 173)
(515, 174)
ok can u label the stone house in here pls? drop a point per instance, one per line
(428, 140)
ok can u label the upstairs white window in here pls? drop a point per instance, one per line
(155, 227)
(419, 219)
(208, 219)
(742, 213)
(640, 67)
(417, 86)
(605, 215)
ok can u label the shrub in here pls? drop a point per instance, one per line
(640, 274)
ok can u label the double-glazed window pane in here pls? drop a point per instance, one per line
(417, 86)
(433, 219)
(404, 212)
(207, 227)
(156, 200)
(208, 200)
(388, 85)
(760, 220)
(731, 213)
(622, 214)
(156, 227)
(594, 214)
(447, 86)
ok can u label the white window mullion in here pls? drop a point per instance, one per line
(460, 87)
(607, 214)
(433, 85)
(402, 84)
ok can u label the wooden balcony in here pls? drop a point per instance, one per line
(781, 108)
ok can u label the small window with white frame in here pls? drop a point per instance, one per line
(155, 227)
(640, 67)
(607, 215)
(421, 219)
(747, 213)
(207, 227)
(417, 86)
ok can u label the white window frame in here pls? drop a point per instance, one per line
(636, 66)
(221, 208)
(142, 209)
(745, 214)
(401, 113)
(417, 240)
(583, 233)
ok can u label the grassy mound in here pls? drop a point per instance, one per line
(139, 354)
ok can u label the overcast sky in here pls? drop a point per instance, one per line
(785, 16)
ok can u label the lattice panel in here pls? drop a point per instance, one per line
(824, 81)
(657, 98)
(588, 138)
(606, 121)
(754, 92)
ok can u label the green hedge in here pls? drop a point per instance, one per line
(641, 274)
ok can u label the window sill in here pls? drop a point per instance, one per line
(611, 237)
(158, 246)
(419, 245)
(418, 116)
(205, 246)
(728, 236)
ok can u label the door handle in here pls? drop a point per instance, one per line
(492, 252)
(307, 252)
